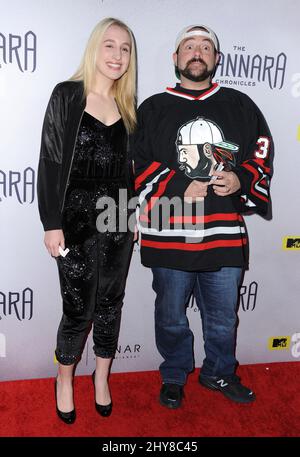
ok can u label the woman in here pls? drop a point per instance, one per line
(84, 156)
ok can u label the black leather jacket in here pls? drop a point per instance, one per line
(59, 133)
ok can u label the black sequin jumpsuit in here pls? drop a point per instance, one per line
(93, 274)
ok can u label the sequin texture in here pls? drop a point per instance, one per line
(93, 274)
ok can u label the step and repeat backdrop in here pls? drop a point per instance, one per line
(41, 43)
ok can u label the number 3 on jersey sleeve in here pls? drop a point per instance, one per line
(263, 144)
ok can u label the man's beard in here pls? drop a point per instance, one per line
(201, 171)
(198, 77)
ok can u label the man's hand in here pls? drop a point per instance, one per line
(136, 234)
(53, 239)
(196, 191)
(227, 183)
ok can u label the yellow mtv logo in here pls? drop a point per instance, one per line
(279, 342)
(291, 242)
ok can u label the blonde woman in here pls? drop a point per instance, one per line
(84, 157)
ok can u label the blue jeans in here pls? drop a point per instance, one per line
(216, 294)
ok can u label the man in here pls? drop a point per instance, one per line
(208, 146)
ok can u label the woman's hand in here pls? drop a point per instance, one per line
(53, 239)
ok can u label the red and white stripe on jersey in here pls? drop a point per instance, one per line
(215, 87)
(259, 186)
(146, 173)
(199, 228)
(182, 246)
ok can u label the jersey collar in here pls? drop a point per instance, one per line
(211, 91)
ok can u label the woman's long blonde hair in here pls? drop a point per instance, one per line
(124, 89)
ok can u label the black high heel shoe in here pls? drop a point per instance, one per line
(103, 410)
(67, 418)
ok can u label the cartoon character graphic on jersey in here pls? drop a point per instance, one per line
(201, 148)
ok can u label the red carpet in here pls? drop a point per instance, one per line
(27, 408)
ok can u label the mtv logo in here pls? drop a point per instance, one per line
(2, 345)
(279, 342)
(291, 242)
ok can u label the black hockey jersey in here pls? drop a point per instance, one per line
(182, 137)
